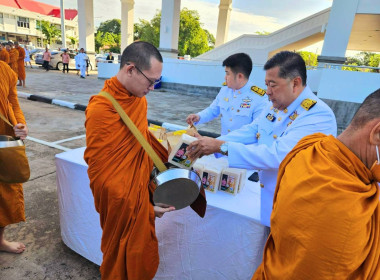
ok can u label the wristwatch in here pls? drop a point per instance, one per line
(224, 149)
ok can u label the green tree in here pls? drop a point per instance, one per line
(73, 40)
(309, 58)
(111, 26)
(262, 33)
(193, 39)
(108, 36)
(50, 31)
(363, 59)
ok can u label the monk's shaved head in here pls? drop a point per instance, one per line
(368, 111)
(140, 53)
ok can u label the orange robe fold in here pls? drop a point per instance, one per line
(325, 219)
(4, 56)
(13, 57)
(11, 195)
(21, 63)
(119, 171)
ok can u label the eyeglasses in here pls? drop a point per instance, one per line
(151, 83)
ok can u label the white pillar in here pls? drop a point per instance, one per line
(338, 32)
(169, 28)
(127, 11)
(86, 25)
(225, 8)
(63, 33)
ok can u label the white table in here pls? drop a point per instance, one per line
(226, 244)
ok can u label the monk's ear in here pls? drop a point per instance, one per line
(374, 136)
(127, 69)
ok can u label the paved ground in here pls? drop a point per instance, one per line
(46, 256)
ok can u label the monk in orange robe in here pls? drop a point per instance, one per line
(119, 168)
(11, 195)
(325, 222)
(13, 57)
(20, 65)
(4, 55)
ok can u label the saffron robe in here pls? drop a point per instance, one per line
(13, 57)
(4, 55)
(21, 63)
(325, 219)
(11, 195)
(119, 171)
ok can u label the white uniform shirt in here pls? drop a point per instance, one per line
(264, 143)
(27, 55)
(81, 59)
(236, 107)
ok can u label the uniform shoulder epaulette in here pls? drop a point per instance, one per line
(258, 90)
(307, 104)
(224, 84)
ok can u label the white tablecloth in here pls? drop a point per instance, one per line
(226, 244)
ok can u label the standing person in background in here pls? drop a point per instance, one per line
(82, 63)
(87, 63)
(13, 57)
(20, 65)
(4, 54)
(27, 57)
(110, 58)
(239, 102)
(65, 60)
(11, 195)
(46, 58)
(76, 58)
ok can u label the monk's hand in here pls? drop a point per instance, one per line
(192, 118)
(203, 146)
(21, 130)
(159, 211)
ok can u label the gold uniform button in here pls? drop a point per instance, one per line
(261, 185)
(239, 92)
(285, 110)
(271, 108)
(275, 136)
(279, 119)
(238, 110)
(229, 130)
(230, 120)
(257, 135)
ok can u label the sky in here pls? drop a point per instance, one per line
(247, 16)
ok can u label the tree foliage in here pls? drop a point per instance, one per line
(108, 36)
(363, 59)
(309, 58)
(50, 31)
(193, 39)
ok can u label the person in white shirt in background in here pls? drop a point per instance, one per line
(81, 63)
(27, 57)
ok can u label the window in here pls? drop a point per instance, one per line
(23, 22)
(1, 18)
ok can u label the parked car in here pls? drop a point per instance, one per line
(32, 53)
(56, 60)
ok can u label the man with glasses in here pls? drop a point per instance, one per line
(294, 112)
(119, 168)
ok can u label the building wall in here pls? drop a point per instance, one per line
(10, 29)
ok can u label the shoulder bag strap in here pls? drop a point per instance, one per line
(136, 132)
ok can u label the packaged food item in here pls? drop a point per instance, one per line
(178, 155)
(229, 180)
(242, 179)
(198, 168)
(210, 179)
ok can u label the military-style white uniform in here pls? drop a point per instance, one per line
(264, 143)
(237, 107)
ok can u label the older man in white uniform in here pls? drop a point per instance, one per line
(238, 102)
(295, 111)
